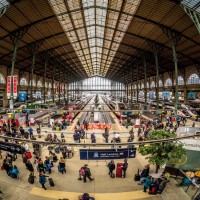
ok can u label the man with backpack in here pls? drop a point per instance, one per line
(111, 167)
(87, 174)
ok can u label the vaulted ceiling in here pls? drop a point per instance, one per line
(97, 37)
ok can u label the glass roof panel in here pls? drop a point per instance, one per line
(193, 4)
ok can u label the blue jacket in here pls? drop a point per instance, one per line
(147, 182)
(42, 179)
(15, 171)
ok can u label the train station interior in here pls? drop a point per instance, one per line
(99, 99)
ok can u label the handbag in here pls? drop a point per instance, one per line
(2, 167)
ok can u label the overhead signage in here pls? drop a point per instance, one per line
(8, 86)
(151, 95)
(166, 95)
(13, 148)
(38, 95)
(191, 95)
(15, 86)
(190, 144)
(22, 96)
(107, 154)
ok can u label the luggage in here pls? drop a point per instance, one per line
(119, 170)
(51, 183)
(61, 169)
(137, 176)
(112, 175)
(153, 190)
(28, 155)
(31, 179)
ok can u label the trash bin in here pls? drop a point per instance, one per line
(119, 170)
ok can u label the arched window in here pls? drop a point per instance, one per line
(39, 84)
(23, 82)
(2, 79)
(194, 79)
(33, 83)
(138, 86)
(180, 80)
(46, 85)
(168, 82)
(147, 84)
(153, 84)
(142, 86)
(160, 83)
(50, 85)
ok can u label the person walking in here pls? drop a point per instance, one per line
(111, 167)
(29, 166)
(42, 180)
(93, 138)
(147, 183)
(87, 174)
(124, 168)
(30, 130)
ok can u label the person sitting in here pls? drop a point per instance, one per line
(14, 172)
(61, 166)
(144, 173)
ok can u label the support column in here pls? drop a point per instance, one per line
(33, 47)
(145, 78)
(174, 38)
(53, 80)
(46, 56)
(137, 93)
(59, 87)
(15, 38)
(131, 84)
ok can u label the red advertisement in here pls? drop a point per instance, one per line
(15, 86)
(8, 86)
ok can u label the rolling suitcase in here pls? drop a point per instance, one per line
(31, 179)
(51, 183)
(119, 170)
(137, 176)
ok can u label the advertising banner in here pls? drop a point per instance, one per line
(166, 95)
(8, 86)
(107, 154)
(22, 96)
(15, 86)
(13, 148)
(38, 95)
(151, 95)
(191, 95)
(49, 95)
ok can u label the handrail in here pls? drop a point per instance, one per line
(103, 144)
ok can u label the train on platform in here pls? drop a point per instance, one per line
(118, 107)
(75, 106)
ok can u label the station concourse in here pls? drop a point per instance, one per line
(99, 99)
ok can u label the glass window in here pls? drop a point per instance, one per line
(153, 84)
(23, 82)
(180, 80)
(168, 82)
(194, 79)
(39, 84)
(160, 83)
(32, 83)
(2, 79)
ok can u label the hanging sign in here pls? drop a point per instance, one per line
(22, 96)
(107, 154)
(15, 86)
(13, 148)
(191, 95)
(8, 86)
(166, 95)
(151, 95)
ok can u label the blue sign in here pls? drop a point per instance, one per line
(22, 96)
(166, 95)
(151, 95)
(107, 154)
(191, 95)
(38, 95)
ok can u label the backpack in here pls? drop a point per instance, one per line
(31, 179)
(82, 172)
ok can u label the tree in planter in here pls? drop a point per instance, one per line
(159, 154)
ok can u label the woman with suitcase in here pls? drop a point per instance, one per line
(42, 180)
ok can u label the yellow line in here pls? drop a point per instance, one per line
(53, 194)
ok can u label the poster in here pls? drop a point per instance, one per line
(8, 86)
(151, 95)
(15, 86)
(49, 95)
(22, 96)
(107, 154)
(166, 95)
(38, 95)
(191, 95)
